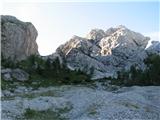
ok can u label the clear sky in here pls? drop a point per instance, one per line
(58, 22)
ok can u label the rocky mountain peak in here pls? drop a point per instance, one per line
(116, 29)
(122, 37)
(121, 27)
(107, 52)
(96, 34)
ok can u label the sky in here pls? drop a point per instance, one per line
(57, 22)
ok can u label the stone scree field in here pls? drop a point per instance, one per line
(79, 102)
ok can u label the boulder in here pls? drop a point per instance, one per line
(20, 75)
(18, 39)
(14, 74)
(6, 74)
(7, 77)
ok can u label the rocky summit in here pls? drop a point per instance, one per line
(105, 51)
(18, 39)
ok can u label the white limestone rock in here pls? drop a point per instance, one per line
(95, 35)
(18, 39)
(107, 52)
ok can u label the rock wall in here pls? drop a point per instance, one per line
(18, 39)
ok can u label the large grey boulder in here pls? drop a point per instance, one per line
(107, 52)
(20, 75)
(18, 39)
(14, 74)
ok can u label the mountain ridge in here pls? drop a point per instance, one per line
(105, 51)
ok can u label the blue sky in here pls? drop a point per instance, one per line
(58, 22)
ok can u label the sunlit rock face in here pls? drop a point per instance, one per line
(18, 39)
(105, 51)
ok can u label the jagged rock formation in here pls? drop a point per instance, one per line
(107, 52)
(18, 39)
(154, 48)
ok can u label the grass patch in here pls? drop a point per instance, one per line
(32, 95)
(42, 115)
(92, 110)
(45, 73)
(7, 84)
(47, 93)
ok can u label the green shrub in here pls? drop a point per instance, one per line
(42, 115)
(7, 62)
(32, 64)
(150, 76)
(51, 72)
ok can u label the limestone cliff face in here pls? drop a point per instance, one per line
(18, 39)
(105, 51)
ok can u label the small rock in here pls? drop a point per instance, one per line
(7, 70)
(6, 74)
(7, 93)
(7, 77)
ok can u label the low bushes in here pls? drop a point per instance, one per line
(51, 72)
(149, 76)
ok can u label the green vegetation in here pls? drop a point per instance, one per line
(92, 110)
(7, 63)
(135, 76)
(46, 72)
(130, 105)
(6, 84)
(42, 115)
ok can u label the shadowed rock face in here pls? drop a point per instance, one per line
(154, 48)
(107, 52)
(18, 39)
